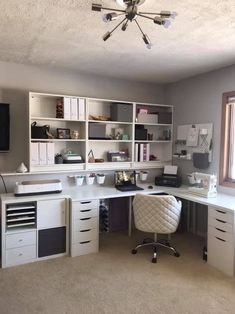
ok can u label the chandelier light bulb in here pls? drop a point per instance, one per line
(166, 23)
(110, 17)
(174, 14)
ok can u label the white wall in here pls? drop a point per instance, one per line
(199, 100)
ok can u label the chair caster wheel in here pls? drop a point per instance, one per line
(177, 254)
(154, 260)
(134, 251)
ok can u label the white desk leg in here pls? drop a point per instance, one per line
(130, 217)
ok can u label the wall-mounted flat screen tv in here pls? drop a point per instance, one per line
(4, 127)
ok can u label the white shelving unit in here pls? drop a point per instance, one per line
(42, 110)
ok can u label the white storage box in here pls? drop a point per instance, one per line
(147, 118)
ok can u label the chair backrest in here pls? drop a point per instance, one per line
(156, 213)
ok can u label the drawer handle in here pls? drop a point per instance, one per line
(87, 202)
(220, 211)
(85, 210)
(220, 230)
(220, 239)
(85, 242)
(86, 230)
(224, 222)
(20, 240)
(20, 254)
(85, 218)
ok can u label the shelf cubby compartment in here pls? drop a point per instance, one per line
(110, 110)
(21, 215)
(100, 150)
(43, 106)
(153, 114)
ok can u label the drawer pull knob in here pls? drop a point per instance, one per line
(86, 230)
(88, 202)
(221, 221)
(85, 242)
(220, 211)
(220, 230)
(220, 239)
(85, 218)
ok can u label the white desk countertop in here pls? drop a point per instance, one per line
(91, 192)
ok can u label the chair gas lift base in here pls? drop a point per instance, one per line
(156, 245)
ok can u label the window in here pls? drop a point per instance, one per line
(227, 160)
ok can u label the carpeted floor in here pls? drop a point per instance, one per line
(115, 281)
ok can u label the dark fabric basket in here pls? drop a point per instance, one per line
(39, 131)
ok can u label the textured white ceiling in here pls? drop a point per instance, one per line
(67, 34)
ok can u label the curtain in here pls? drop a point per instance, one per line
(231, 161)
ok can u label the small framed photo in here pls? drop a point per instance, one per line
(63, 133)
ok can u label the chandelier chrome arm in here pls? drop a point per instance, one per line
(109, 33)
(145, 36)
(99, 7)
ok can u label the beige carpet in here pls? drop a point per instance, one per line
(114, 281)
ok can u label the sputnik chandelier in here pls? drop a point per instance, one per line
(130, 13)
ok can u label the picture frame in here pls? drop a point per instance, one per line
(63, 133)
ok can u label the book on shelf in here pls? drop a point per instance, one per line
(142, 152)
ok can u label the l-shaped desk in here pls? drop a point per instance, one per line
(83, 210)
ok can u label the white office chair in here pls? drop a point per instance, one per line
(156, 214)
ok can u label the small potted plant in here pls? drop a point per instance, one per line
(90, 178)
(143, 175)
(79, 180)
(100, 177)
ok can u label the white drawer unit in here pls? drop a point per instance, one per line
(84, 227)
(20, 239)
(221, 240)
(21, 255)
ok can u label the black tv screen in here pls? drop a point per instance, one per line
(4, 127)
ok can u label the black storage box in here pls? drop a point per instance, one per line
(141, 134)
(121, 112)
(165, 117)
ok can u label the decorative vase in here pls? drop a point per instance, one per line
(22, 168)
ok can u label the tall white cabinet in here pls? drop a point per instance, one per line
(97, 114)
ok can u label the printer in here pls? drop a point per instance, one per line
(169, 177)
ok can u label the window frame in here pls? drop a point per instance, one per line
(224, 180)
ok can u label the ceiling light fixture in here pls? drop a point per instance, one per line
(131, 14)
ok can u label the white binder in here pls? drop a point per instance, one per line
(74, 109)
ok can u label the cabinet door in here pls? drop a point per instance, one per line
(51, 214)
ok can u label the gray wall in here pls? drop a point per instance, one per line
(199, 100)
(17, 79)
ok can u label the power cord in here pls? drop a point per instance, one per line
(3, 183)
